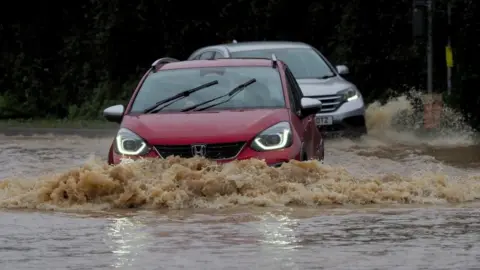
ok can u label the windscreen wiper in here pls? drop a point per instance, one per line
(230, 95)
(177, 97)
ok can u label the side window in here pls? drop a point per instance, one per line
(294, 89)
(207, 55)
(218, 55)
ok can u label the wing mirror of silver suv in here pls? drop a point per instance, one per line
(342, 70)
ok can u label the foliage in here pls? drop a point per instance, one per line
(75, 59)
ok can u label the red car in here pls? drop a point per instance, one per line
(223, 109)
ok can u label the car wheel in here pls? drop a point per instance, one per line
(320, 160)
(304, 157)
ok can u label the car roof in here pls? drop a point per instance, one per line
(227, 62)
(262, 45)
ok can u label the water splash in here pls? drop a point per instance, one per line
(400, 120)
(177, 183)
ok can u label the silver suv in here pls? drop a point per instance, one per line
(343, 110)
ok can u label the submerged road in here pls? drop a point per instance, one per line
(378, 203)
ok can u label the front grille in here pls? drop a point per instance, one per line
(213, 151)
(330, 103)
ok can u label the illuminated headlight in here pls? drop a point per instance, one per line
(129, 143)
(276, 137)
(349, 94)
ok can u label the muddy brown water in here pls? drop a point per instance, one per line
(388, 201)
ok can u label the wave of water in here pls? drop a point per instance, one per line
(177, 183)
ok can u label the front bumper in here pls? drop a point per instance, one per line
(349, 117)
(272, 158)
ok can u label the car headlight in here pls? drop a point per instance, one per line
(275, 137)
(349, 94)
(129, 143)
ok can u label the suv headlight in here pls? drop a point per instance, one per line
(129, 143)
(349, 94)
(275, 137)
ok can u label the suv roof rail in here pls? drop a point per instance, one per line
(163, 61)
(245, 57)
(273, 58)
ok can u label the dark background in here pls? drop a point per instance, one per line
(72, 59)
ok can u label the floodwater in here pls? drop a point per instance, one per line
(392, 200)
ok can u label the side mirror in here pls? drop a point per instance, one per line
(310, 106)
(114, 113)
(342, 70)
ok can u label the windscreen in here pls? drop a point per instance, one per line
(266, 92)
(303, 62)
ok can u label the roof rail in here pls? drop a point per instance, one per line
(274, 60)
(163, 61)
(245, 57)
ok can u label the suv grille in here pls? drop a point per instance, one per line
(213, 151)
(330, 103)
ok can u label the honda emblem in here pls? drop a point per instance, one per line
(199, 150)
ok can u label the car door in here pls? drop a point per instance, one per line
(311, 135)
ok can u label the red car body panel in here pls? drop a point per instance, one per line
(223, 126)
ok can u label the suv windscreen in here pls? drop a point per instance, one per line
(266, 92)
(304, 63)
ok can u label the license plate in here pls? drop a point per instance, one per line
(323, 120)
